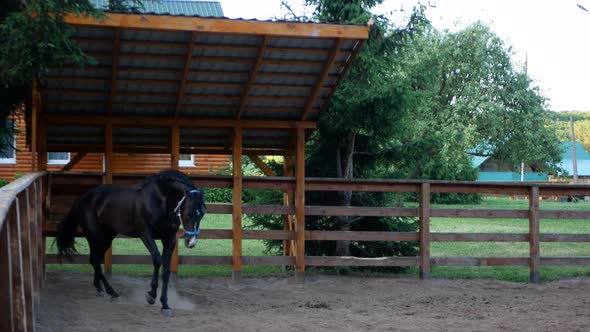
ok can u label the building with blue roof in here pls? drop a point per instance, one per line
(582, 160)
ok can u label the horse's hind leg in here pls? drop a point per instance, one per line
(97, 250)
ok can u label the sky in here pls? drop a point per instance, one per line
(553, 35)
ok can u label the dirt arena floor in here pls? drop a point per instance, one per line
(323, 303)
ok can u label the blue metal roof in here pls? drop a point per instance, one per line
(581, 153)
(177, 8)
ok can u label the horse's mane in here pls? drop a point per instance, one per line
(169, 176)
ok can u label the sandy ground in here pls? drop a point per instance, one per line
(323, 303)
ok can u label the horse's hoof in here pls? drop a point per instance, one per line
(150, 299)
(114, 295)
(167, 312)
(114, 298)
(100, 294)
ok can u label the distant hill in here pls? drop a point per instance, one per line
(581, 126)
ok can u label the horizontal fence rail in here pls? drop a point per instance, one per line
(21, 252)
(65, 187)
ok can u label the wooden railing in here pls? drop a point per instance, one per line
(64, 187)
(21, 244)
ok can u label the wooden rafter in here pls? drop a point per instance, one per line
(220, 25)
(187, 67)
(320, 80)
(252, 77)
(114, 66)
(355, 53)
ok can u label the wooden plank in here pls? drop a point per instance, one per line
(222, 25)
(237, 204)
(268, 260)
(6, 280)
(565, 237)
(41, 144)
(565, 261)
(24, 214)
(300, 203)
(288, 202)
(479, 213)
(556, 214)
(424, 232)
(143, 121)
(360, 261)
(360, 236)
(479, 237)
(268, 235)
(534, 236)
(479, 261)
(18, 283)
(326, 66)
(360, 211)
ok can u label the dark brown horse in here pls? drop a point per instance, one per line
(153, 210)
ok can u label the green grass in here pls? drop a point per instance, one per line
(438, 249)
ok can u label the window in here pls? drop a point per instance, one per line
(58, 158)
(186, 160)
(8, 152)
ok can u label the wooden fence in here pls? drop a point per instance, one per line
(65, 187)
(21, 243)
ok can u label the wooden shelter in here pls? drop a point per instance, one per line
(177, 84)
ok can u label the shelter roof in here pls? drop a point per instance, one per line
(204, 75)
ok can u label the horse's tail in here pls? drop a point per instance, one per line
(66, 234)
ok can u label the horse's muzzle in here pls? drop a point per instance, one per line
(190, 241)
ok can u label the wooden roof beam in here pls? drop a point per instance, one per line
(320, 80)
(222, 25)
(187, 67)
(138, 121)
(252, 77)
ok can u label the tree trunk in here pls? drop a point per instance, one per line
(345, 170)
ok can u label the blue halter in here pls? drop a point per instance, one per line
(192, 233)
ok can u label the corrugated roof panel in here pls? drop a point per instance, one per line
(228, 77)
(294, 42)
(151, 63)
(139, 98)
(155, 35)
(193, 100)
(280, 92)
(92, 33)
(185, 8)
(286, 80)
(295, 55)
(146, 48)
(222, 52)
(155, 75)
(147, 88)
(228, 39)
(290, 69)
(214, 90)
(220, 66)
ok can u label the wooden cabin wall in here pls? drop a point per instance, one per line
(123, 162)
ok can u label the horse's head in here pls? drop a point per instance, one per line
(192, 213)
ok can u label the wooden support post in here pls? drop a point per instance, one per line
(18, 299)
(300, 204)
(237, 206)
(288, 195)
(36, 109)
(108, 179)
(41, 146)
(534, 236)
(174, 160)
(6, 280)
(425, 231)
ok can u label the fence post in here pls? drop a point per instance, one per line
(27, 257)
(534, 236)
(18, 283)
(237, 206)
(300, 205)
(425, 231)
(6, 279)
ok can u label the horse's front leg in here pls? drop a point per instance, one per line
(151, 246)
(168, 247)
